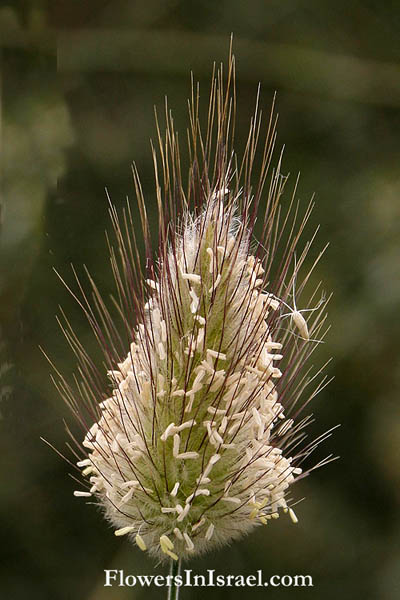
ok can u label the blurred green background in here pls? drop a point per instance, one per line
(79, 81)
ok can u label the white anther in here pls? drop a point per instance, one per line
(152, 284)
(192, 277)
(170, 430)
(270, 301)
(123, 531)
(232, 500)
(195, 301)
(293, 516)
(186, 425)
(197, 381)
(216, 411)
(163, 331)
(256, 416)
(199, 492)
(187, 455)
(178, 533)
(198, 524)
(174, 490)
(210, 531)
(215, 354)
(189, 543)
(166, 543)
(184, 513)
(215, 284)
(140, 542)
(127, 496)
(161, 351)
(177, 441)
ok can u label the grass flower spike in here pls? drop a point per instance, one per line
(199, 435)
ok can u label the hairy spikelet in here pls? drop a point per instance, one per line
(202, 434)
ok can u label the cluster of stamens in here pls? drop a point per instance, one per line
(186, 453)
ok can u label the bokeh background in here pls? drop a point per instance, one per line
(79, 81)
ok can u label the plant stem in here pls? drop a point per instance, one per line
(174, 570)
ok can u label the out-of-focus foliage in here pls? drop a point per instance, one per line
(79, 81)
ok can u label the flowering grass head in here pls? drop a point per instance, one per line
(199, 437)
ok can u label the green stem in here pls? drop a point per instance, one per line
(174, 570)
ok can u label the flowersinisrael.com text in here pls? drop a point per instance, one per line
(114, 577)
